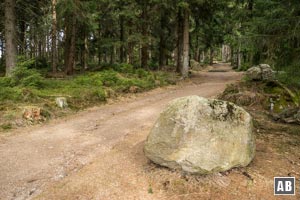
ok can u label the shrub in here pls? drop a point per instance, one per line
(98, 94)
(10, 93)
(125, 68)
(37, 63)
(122, 68)
(34, 80)
(22, 76)
(141, 73)
(5, 81)
(89, 80)
(23, 62)
(153, 65)
(109, 77)
(87, 95)
(290, 75)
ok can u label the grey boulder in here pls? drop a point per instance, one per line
(254, 73)
(262, 72)
(201, 136)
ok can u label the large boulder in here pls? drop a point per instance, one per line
(254, 73)
(262, 72)
(267, 74)
(201, 136)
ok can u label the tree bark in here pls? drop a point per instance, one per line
(22, 46)
(239, 55)
(122, 39)
(85, 52)
(179, 51)
(162, 40)
(2, 52)
(10, 36)
(70, 44)
(197, 50)
(144, 49)
(54, 59)
(99, 43)
(112, 55)
(211, 58)
(186, 45)
(203, 57)
(226, 53)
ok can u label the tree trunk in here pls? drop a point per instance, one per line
(250, 8)
(70, 44)
(179, 41)
(54, 59)
(197, 53)
(162, 41)
(144, 56)
(239, 55)
(10, 36)
(99, 43)
(22, 46)
(2, 52)
(112, 55)
(85, 52)
(130, 53)
(122, 39)
(144, 49)
(226, 53)
(203, 56)
(211, 58)
(233, 58)
(130, 49)
(186, 45)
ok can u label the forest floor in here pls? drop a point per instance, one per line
(98, 153)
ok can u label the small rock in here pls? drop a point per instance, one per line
(61, 102)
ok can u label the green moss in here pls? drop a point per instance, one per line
(281, 98)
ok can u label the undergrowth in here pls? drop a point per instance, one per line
(289, 75)
(28, 86)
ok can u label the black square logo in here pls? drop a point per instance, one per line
(284, 186)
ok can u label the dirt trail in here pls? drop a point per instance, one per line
(39, 159)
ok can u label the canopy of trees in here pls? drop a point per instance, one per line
(69, 35)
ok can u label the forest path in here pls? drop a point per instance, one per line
(94, 142)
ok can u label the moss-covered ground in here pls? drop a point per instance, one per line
(29, 87)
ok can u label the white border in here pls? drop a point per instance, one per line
(286, 194)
